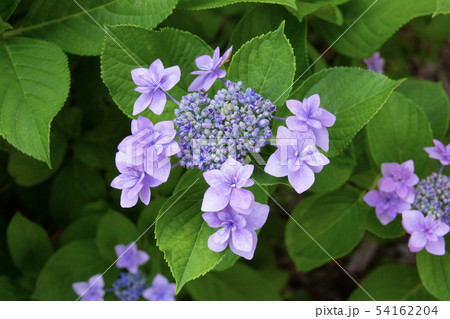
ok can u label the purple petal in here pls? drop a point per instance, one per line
(171, 78)
(294, 106)
(80, 287)
(218, 241)
(214, 201)
(120, 249)
(160, 280)
(412, 221)
(372, 198)
(230, 168)
(436, 247)
(204, 62)
(212, 220)
(156, 70)
(214, 178)
(442, 229)
(387, 184)
(128, 199)
(243, 174)
(246, 254)
(417, 242)
(257, 218)
(302, 179)
(144, 195)
(409, 166)
(386, 169)
(142, 102)
(241, 199)
(203, 82)
(322, 138)
(142, 257)
(295, 124)
(327, 118)
(274, 166)
(140, 76)
(123, 181)
(96, 281)
(158, 102)
(402, 190)
(242, 239)
(387, 216)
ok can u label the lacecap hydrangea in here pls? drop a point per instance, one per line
(424, 204)
(215, 134)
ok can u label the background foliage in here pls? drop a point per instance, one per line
(66, 100)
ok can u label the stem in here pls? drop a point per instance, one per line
(175, 165)
(224, 82)
(170, 97)
(278, 118)
(441, 169)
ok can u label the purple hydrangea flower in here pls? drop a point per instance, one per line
(439, 152)
(92, 290)
(226, 187)
(209, 70)
(238, 229)
(399, 179)
(135, 183)
(129, 287)
(375, 63)
(152, 83)
(387, 205)
(232, 124)
(426, 232)
(130, 257)
(297, 158)
(310, 117)
(161, 290)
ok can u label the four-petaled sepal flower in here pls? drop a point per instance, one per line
(387, 205)
(399, 179)
(130, 257)
(439, 152)
(238, 230)
(92, 290)
(161, 290)
(209, 70)
(153, 84)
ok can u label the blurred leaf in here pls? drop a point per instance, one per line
(9, 290)
(433, 271)
(432, 99)
(71, 25)
(148, 216)
(83, 228)
(28, 245)
(375, 22)
(208, 4)
(75, 262)
(392, 283)
(75, 185)
(399, 132)
(392, 230)
(352, 94)
(28, 171)
(145, 46)
(267, 65)
(443, 6)
(114, 229)
(325, 9)
(182, 235)
(336, 173)
(338, 215)
(33, 87)
(241, 283)
(7, 7)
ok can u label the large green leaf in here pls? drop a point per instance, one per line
(335, 220)
(114, 229)
(82, 228)
(432, 99)
(75, 185)
(325, 9)
(392, 230)
(208, 4)
(33, 87)
(77, 261)
(352, 94)
(392, 283)
(372, 23)
(267, 65)
(7, 7)
(71, 24)
(434, 272)
(173, 47)
(399, 132)
(241, 283)
(28, 245)
(182, 235)
(443, 6)
(9, 290)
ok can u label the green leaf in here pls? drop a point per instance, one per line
(322, 7)
(149, 214)
(392, 230)
(208, 4)
(394, 140)
(241, 283)
(372, 23)
(433, 271)
(9, 290)
(82, 228)
(443, 6)
(77, 261)
(7, 7)
(33, 87)
(335, 220)
(352, 94)
(432, 99)
(173, 47)
(114, 229)
(182, 235)
(75, 185)
(29, 172)
(73, 28)
(28, 245)
(336, 173)
(392, 283)
(267, 65)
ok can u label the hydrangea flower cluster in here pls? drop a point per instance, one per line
(131, 285)
(216, 135)
(425, 208)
